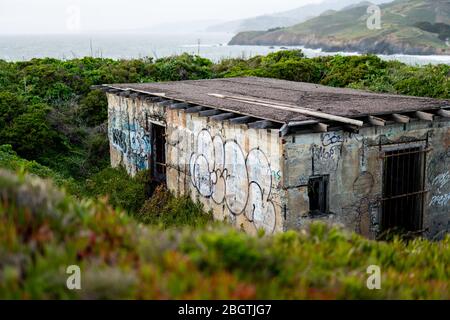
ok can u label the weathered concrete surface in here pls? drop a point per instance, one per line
(129, 121)
(257, 180)
(354, 166)
(234, 171)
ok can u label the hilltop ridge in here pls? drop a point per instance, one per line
(405, 28)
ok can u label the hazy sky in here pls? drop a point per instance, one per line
(56, 16)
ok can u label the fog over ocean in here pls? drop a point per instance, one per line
(129, 45)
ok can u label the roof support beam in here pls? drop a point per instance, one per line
(195, 109)
(263, 124)
(350, 128)
(166, 103)
(179, 106)
(223, 116)
(112, 91)
(320, 127)
(425, 116)
(153, 99)
(241, 120)
(375, 121)
(312, 125)
(209, 113)
(302, 123)
(125, 94)
(444, 113)
(401, 118)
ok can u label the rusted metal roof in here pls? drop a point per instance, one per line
(334, 101)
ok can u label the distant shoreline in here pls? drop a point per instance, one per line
(134, 46)
(352, 49)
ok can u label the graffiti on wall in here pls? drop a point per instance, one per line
(326, 155)
(130, 139)
(221, 171)
(119, 140)
(441, 197)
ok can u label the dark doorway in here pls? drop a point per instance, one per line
(318, 195)
(158, 165)
(403, 183)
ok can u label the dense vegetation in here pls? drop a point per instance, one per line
(49, 114)
(43, 231)
(132, 195)
(52, 125)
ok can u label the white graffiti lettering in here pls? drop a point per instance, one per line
(441, 180)
(440, 200)
(221, 171)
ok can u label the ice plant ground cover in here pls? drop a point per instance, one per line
(43, 231)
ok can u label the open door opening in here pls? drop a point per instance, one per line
(403, 190)
(158, 156)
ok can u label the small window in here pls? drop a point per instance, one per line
(318, 195)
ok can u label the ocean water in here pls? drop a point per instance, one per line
(127, 45)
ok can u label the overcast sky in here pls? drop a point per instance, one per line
(56, 16)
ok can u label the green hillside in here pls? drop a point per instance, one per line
(401, 30)
(285, 18)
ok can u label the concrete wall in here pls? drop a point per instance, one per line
(128, 130)
(232, 170)
(255, 179)
(355, 171)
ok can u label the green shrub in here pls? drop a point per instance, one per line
(229, 66)
(166, 210)
(121, 190)
(31, 135)
(428, 81)
(282, 56)
(182, 67)
(303, 70)
(11, 161)
(11, 106)
(342, 71)
(94, 108)
(97, 147)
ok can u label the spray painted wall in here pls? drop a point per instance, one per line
(233, 170)
(355, 171)
(128, 130)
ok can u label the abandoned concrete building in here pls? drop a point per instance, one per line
(273, 154)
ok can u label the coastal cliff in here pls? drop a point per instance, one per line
(405, 29)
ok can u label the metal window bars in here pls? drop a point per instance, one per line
(403, 188)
